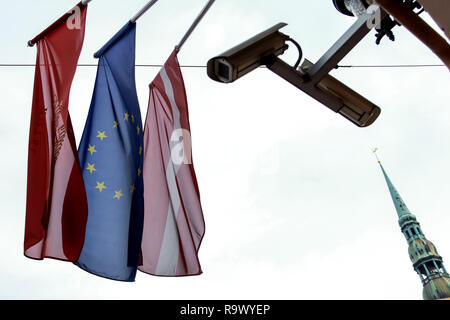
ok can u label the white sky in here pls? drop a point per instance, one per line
(295, 204)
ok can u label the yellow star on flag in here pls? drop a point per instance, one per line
(102, 135)
(91, 168)
(138, 130)
(132, 118)
(100, 186)
(140, 150)
(139, 172)
(91, 149)
(118, 195)
(127, 115)
(115, 124)
(132, 188)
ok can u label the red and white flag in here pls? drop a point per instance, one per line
(56, 211)
(173, 220)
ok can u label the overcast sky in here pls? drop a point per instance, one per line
(295, 204)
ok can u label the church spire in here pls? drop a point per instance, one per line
(400, 205)
(423, 254)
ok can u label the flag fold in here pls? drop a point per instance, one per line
(111, 153)
(173, 219)
(56, 209)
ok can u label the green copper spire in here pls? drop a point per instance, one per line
(423, 254)
(400, 205)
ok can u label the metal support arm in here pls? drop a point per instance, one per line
(314, 79)
(344, 45)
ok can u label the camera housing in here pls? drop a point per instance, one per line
(354, 106)
(247, 56)
(313, 79)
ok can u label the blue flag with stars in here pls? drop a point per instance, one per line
(111, 158)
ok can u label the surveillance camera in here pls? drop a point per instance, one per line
(247, 56)
(353, 106)
(264, 49)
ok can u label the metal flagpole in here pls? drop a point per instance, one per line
(143, 10)
(194, 25)
(132, 21)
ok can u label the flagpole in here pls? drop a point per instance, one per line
(194, 25)
(33, 41)
(143, 10)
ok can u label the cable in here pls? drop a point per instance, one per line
(300, 52)
(96, 65)
(200, 66)
(392, 66)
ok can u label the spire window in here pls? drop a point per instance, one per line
(423, 272)
(408, 235)
(431, 266)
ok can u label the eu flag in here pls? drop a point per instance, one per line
(111, 158)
